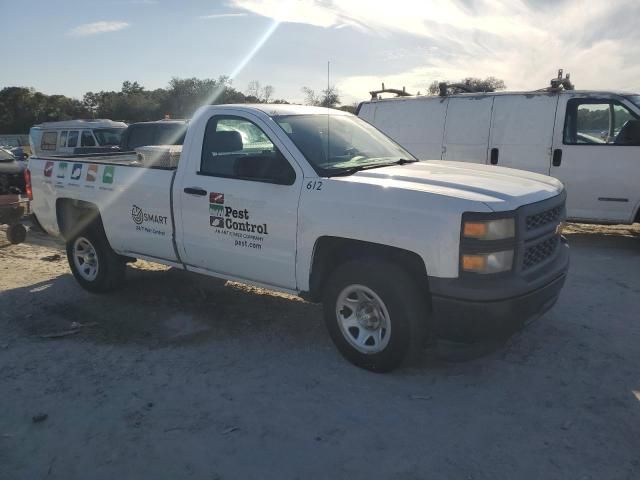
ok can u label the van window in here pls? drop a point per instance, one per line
(49, 140)
(63, 139)
(87, 139)
(72, 141)
(108, 137)
(172, 134)
(234, 147)
(140, 136)
(599, 122)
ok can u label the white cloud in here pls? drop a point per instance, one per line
(98, 27)
(516, 40)
(222, 15)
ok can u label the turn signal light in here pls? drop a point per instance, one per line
(475, 229)
(474, 263)
(494, 262)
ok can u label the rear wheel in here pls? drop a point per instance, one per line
(375, 314)
(16, 233)
(95, 266)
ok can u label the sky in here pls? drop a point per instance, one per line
(71, 46)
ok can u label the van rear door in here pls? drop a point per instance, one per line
(466, 135)
(522, 131)
(596, 155)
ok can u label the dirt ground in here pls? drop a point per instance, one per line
(182, 376)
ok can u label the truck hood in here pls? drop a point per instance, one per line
(499, 188)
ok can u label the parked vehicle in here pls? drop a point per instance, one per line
(11, 173)
(15, 141)
(162, 132)
(76, 137)
(326, 207)
(589, 140)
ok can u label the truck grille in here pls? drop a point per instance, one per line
(539, 252)
(546, 217)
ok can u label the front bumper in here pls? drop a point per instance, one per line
(495, 308)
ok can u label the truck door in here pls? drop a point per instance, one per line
(238, 199)
(522, 131)
(466, 135)
(596, 154)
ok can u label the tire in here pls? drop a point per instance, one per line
(16, 233)
(388, 321)
(95, 266)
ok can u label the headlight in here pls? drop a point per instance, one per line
(490, 229)
(494, 262)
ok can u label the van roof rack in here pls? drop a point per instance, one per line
(559, 83)
(399, 93)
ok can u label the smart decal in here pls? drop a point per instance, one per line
(146, 222)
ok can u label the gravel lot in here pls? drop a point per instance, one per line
(181, 376)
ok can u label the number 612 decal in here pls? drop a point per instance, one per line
(314, 185)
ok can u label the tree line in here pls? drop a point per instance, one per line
(22, 107)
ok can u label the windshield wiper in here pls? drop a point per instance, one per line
(351, 170)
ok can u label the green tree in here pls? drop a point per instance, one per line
(329, 97)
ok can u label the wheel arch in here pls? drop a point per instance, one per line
(73, 216)
(329, 252)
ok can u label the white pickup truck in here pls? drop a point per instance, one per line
(319, 203)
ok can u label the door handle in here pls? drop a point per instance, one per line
(201, 192)
(494, 156)
(557, 157)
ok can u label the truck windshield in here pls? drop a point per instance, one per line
(335, 144)
(108, 136)
(635, 99)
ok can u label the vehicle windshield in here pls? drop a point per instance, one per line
(5, 156)
(635, 99)
(340, 143)
(108, 137)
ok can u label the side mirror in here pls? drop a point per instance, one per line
(629, 134)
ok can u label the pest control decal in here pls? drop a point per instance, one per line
(92, 173)
(146, 222)
(48, 169)
(235, 222)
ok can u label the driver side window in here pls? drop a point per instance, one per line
(235, 147)
(600, 122)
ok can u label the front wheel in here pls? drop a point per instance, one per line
(375, 314)
(95, 266)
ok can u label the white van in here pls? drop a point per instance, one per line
(588, 140)
(75, 136)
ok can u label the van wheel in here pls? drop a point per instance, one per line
(95, 266)
(375, 314)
